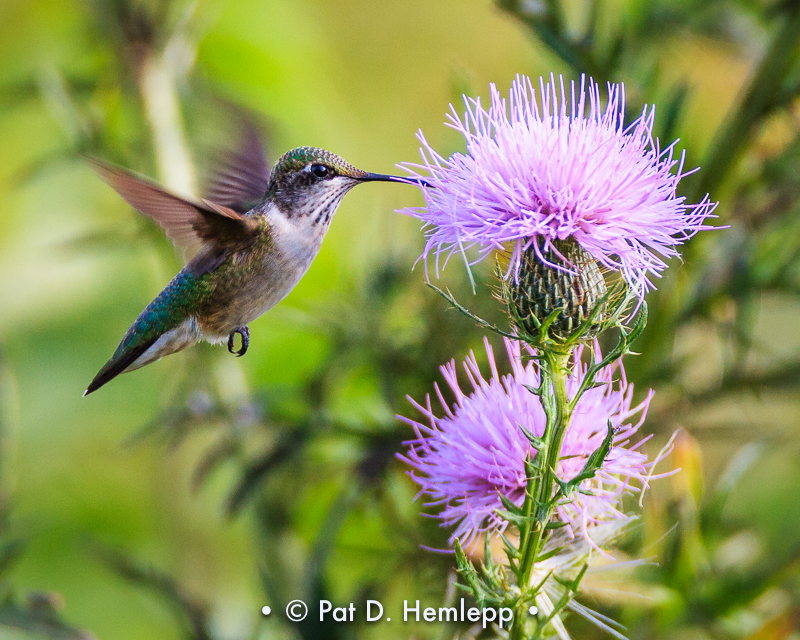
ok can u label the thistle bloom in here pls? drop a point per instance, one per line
(464, 460)
(537, 172)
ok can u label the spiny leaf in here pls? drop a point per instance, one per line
(593, 464)
(516, 520)
(536, 441)
(574, 584)
(510, 505)
(548, 554)
(511, 551)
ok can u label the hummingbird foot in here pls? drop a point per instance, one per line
(244, 332)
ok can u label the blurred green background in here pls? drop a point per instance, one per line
(180, 499)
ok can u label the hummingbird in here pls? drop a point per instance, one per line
(253, 237)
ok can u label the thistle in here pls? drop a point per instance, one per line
(538, 172)
(475, 453)
(567, 285)
(571, 194)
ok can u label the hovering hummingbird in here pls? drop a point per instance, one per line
(253, 237)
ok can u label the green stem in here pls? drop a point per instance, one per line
(559, 411)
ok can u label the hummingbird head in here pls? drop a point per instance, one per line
(311, 182)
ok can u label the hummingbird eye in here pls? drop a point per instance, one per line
(320, 171)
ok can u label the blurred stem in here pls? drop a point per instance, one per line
(759, 99)
(548, 26)
(162, 108)
(541, 503)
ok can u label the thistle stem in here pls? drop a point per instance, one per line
(540, 502)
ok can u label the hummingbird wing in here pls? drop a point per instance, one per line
(240, 177)
(203, 227)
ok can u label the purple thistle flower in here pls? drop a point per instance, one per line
(536, 172)
(476, 451)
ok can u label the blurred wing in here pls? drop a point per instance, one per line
(209, 226)
(240, 178)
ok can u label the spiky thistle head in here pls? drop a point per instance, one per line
(560, 167)
(569, 280)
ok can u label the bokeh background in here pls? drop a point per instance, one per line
(180, 499)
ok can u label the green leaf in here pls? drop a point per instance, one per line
(574, 584)
(511, 551)
(549, 320)
(516, 520)
(548, 554)
(510, 505)
(593, 464)
(537, 391)
(479, 590)
(537, 442)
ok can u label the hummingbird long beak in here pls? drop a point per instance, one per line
(382, 177)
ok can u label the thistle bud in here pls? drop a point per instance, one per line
(572, 280)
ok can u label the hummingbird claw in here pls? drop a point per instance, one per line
(244, 332)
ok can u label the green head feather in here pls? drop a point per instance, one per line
(297, 159)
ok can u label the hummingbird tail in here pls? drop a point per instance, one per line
(145, 343)
(118, 364)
